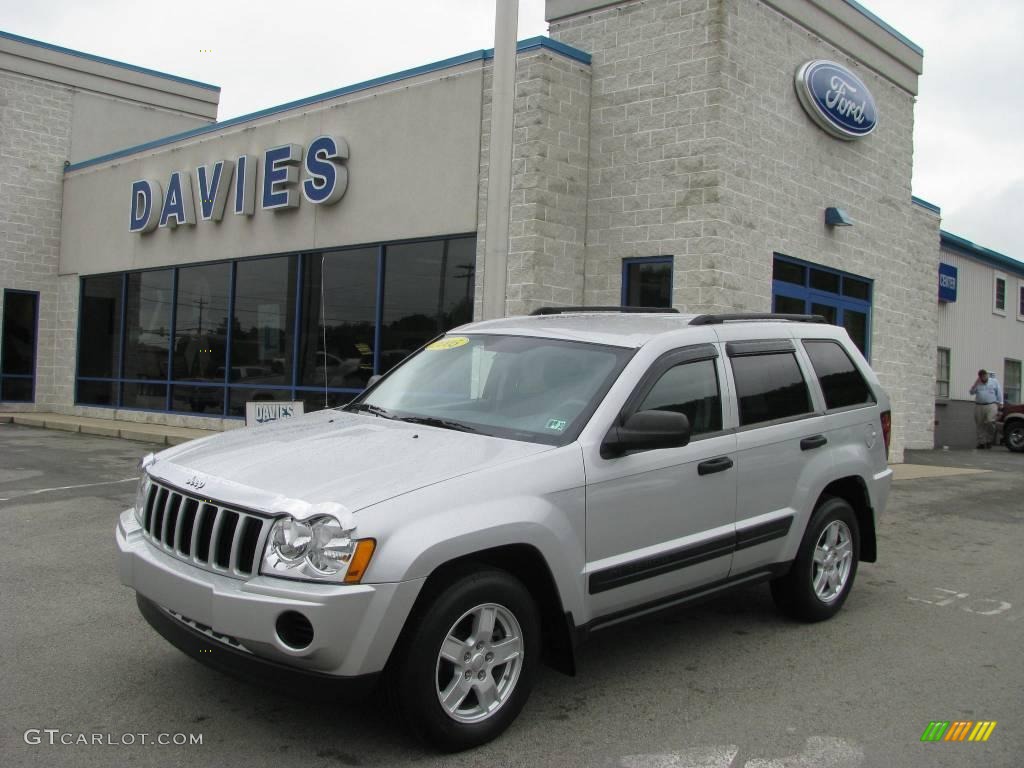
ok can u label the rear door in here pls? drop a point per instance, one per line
(782, 449)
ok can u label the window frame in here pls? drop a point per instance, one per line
(841, 302)
(949, 365)
(631, 261)
(1006, 379)
(293, 388)
(35, 345)
(1020, 300)
(998, 277)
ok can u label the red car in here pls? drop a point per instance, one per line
(1011, 421)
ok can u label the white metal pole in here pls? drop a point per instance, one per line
(499, 180)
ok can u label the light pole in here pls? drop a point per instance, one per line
(499, 173)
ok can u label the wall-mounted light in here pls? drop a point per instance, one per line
(837, 217)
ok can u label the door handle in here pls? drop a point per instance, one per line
(711, 466)
(810, 443)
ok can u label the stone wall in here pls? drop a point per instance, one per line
(35, 130)
(548, 216)
(700, 150)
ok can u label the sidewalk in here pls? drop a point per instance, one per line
(128, 430)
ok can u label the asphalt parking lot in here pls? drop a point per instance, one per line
(933, 631)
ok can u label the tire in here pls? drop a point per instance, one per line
(431, 659)
(807, 593)
(1013, 436)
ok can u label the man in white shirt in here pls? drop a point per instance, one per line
(988, 396)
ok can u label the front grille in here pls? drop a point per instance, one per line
(204, 533)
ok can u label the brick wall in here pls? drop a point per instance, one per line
(35, 129)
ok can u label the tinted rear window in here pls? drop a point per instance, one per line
(770, 387)
(841, 382)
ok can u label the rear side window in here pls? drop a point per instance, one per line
(692, 390)
(841, 382)
(769, 387)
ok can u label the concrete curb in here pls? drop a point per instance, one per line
(126, 430)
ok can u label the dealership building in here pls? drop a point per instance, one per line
(711, 155)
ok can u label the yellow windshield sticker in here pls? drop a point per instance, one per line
(449, 342)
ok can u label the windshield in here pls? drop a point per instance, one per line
(541, 390)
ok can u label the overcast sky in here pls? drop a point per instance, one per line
(969, 156)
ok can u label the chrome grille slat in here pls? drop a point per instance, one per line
(223, 539)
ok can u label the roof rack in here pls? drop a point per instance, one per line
(564, 310)
(719, 319)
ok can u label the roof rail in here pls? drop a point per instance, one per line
(719, 319)
(564, 310)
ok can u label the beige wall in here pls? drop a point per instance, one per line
(412, 173)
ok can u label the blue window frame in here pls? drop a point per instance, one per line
(108, 363)
(19, 340)
(843, 298)
(647, 282)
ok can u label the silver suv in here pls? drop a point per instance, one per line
(505, 491)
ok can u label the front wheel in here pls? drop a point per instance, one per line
(822, 575)
(466, 664)
(1013, 436)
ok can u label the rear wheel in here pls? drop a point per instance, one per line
(1013, 436)
(465, 666)
(822, 575)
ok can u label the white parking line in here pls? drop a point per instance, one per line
(69, 488)
(818, 752)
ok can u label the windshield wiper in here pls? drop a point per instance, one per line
(376, 410)
(429, 421)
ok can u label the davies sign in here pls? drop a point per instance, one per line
(836, 99)
(325, 182)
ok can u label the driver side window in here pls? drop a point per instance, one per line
(691, 389)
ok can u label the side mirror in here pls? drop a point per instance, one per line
(374, 379)
(645, 431)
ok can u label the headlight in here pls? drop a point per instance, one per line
(142, 491)
(319, 549)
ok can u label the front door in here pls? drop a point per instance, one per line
(661, 522)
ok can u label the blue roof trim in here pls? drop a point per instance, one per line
(993, 258)
(102, 60)
(552, 45)
(481, 55)
(902, 38)
(926, 205)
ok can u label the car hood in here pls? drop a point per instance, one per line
(329, 456)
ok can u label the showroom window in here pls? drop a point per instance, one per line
(205, 339)
(18, 327)
(843, 299)
(942, 374)
(647, 282)
(1011, 380)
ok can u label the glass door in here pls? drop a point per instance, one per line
(18, 346)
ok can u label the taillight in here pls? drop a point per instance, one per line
(886, 431)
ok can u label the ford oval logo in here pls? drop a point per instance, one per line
(836, 99)
(196, 482)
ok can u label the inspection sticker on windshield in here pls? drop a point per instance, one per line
(449, 342)
(557, 425)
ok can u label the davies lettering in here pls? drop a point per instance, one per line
(324, 182)
(836, 99)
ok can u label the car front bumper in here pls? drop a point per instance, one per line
(231, 620)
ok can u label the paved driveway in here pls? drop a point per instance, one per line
(933, 631)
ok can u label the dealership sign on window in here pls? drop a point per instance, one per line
(836, 99)
(947, 282)
(233, 182)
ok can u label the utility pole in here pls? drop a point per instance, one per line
(499, 173)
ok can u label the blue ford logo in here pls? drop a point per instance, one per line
(836, 99)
